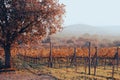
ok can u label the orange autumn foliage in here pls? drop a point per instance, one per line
(63, 52)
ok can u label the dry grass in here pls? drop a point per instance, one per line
(72, 74)
(66, 73)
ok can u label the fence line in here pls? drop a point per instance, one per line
(74, 60)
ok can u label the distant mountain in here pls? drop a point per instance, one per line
(79, 29)
(112, 30)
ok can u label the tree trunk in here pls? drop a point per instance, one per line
(7, 56)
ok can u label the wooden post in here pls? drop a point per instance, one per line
(73, 59)
(89, 60)
(67, 62)
(117, 58)
(105, 63)
(75, 56)
(75, 63)
(85, 63)
(95, 64)
(113, 68)
(24, 58)
(50, 55)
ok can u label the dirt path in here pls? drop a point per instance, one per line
(23, 75)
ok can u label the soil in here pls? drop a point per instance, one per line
(23, 75)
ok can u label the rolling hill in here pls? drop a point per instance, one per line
(80, 29)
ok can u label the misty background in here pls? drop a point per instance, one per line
(97, 21)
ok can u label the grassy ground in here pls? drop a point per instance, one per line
(60, 74)
(25, 69)
(72, 74)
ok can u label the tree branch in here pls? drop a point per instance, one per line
(22, 30)
(25, 27)
(1, 43)
(1, 25)
(28, 25)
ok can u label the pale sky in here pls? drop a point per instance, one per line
(92, 12)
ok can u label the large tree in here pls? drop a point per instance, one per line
(22, 19)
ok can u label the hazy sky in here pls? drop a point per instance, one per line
(92, 12)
